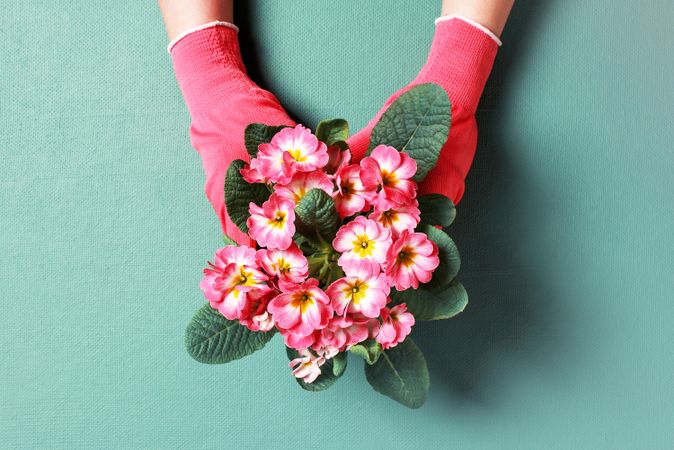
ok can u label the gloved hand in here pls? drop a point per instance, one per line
(223, 100)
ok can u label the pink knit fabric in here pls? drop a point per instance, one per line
(222, 101)
(460, 60)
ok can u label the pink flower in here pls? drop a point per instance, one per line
(364, 291)
(396, 325)
(299, 342)
(270, 165)
(301, 308)
(351, 196)
(307, 366)
(337, 158)
(254, 315)
(326, 352)
(411, 259)
(251, 174)
(228, 282)
(302, 150)
(399, 218)
(343, 332)
(391, 171)
(362, 240)
(303, 182)
(290, 150)
(288, 265)
(273, 224)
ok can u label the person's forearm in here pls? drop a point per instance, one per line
(181, 15)
(491, 14)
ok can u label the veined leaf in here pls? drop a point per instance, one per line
(239, 193)
(433, 304)
(259, 133)
(332, 131)
(401, 373)
(436, 209)
(212, 339)
(317, 215)
(417, 123)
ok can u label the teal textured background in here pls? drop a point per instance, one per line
(566, 232)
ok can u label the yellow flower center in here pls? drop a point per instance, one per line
(279, 220)
(303, 301)
(283, 266)
(363, 246)
(244, 278)
(297, 155)
(299, 194)
(388, 217)
(356, 291)
(388, 179)
(406, 256)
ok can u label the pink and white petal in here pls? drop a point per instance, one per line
(387, 157)
(349, 205)
(370, 174)
(375, 302)
(407, 168)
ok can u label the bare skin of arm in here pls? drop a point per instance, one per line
(492, 14)
(181, 15)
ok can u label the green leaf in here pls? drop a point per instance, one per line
(317, 215)
(450, 261)
(332, 131)
(401, 373)
(228, 240)
(433, 304)
(369, 350)
(417, 123)
(212, 339)
(339, 364)
(330, 372)
(259, 133)
(436, 209)
(239, 193)
(443, 297)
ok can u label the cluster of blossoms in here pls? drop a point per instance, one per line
(375, 249)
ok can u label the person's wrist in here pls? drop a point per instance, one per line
(472, 23)
(197, 28)
(182, 15)
(491, 14)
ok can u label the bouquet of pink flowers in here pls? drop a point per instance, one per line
(347, 256)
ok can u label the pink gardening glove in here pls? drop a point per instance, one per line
(460, 60)
(222, 101)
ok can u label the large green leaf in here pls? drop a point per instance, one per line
(212, 339)
(417, 123)
(239, 193)
(332, 131)
(317, 215)
(259, 133)
(330, 371)
(433, 304)
(401, 373)
(436, 209)
(369, 350)
(450, 261)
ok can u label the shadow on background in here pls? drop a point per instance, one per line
(501, 231)
(243, 17)
(512, 311)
